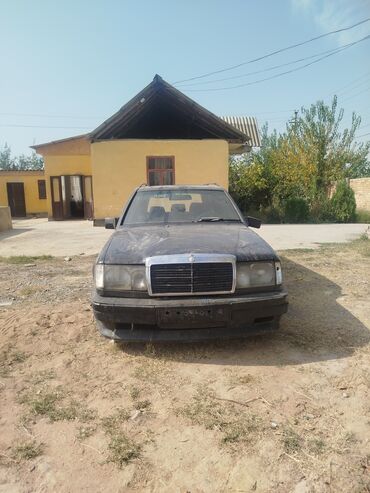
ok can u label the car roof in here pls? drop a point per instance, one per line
(211, 186)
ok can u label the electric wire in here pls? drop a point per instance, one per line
(281, 50)
(333, 50)
(279, 74)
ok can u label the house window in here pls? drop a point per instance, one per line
(161, 170)
(42, 189)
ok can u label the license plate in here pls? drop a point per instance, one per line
(192, 316)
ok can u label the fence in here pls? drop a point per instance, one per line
(361, 187)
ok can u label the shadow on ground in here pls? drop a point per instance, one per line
(316, 328)
(13, 232)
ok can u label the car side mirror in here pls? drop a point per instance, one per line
(111, 222)
(253, 222)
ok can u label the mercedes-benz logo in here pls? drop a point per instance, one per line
(191, 258)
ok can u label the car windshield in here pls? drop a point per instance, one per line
(180, 206)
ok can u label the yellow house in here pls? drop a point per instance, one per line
(159, 137)
(24, 192)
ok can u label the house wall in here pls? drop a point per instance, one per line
(69, 157)
(34, 205)
(361, 187)
(119, 166)
(58, 165)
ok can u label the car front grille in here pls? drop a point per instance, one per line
(186, 278)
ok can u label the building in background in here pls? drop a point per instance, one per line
(159, 137)
(24, 192)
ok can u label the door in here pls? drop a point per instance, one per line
(88, 197)
(56, 197)
(16, 199)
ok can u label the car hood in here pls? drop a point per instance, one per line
(134, 244)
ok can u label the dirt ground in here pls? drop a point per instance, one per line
(288, 412)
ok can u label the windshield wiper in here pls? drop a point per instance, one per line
(214, 219)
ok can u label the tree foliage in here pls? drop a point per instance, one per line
(303, 162)
(335, 154)
(22, 162)
(343, 203)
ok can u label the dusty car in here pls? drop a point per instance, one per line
(184, 265)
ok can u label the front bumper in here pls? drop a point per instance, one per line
(190, 319)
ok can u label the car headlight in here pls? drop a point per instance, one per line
(120, 277)
(255, 274)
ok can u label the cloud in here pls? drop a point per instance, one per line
(329, 15)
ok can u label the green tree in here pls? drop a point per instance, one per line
(32, 162)
(335, 153)
(22, 162)
(248, 185)
(6, 161)
(303, 162)
(343, 203)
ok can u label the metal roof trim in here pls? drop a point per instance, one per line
(246, 124)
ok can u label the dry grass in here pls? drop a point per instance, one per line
(135, 392)
(122, 449)
(24, 259)
(29, 290)
(292, 442)
(85, 431)
(54, 405)
(111, 424)
(9, 358)
(234, 424)
(27, 451)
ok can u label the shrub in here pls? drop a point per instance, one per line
(296, 210)
(271, 214)
(362, 216)
(322, 210)
(343, 203)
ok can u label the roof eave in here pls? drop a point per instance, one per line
(60, 141)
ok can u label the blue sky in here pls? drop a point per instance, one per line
(68, 65)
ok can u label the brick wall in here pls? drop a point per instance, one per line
(361, 187)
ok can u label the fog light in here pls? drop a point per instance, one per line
(278, 273)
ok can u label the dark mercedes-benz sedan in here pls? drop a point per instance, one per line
(184, 265)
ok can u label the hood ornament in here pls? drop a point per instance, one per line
(191, 258)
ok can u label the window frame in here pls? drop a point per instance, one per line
(161, 171)
(42, 196)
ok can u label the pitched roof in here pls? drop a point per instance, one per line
(162, 111)
(246, 124)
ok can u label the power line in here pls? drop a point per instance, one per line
(274, 52)
(363, 135)
(333, 50)
(53, 116)
(344, 88)
(271, 112)
(39, 126)
(279, 74)
(350, 90)
(355, 95)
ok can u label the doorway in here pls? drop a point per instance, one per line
(16, 200)
(71, 197)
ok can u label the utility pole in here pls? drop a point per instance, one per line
(295, 120)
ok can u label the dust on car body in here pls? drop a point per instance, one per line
(184, 265)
